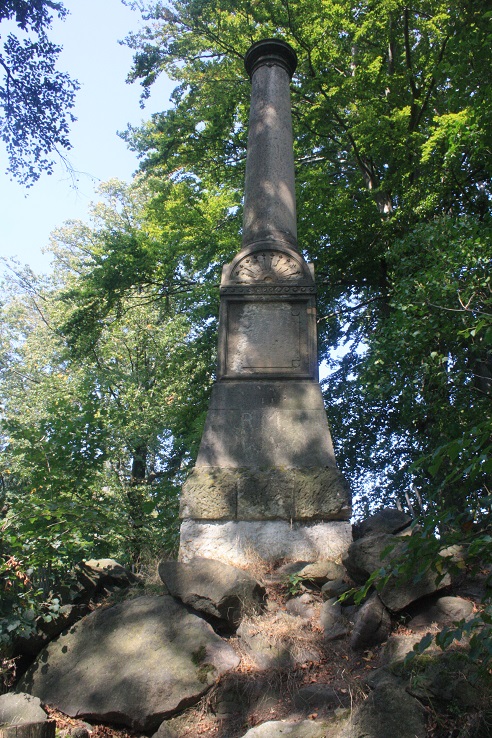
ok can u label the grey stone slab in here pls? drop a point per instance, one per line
(214, 588)
(133, 664)
(266, 495)
(243, 542)
(267, 338)
(281, 728)
(266, 424)
(321, 494)
(389, 520)
(20, 708)
(388, 712)
(214, 493)
(210, 493)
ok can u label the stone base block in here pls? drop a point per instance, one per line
(266, 424)
(243, 542)
(214, 493)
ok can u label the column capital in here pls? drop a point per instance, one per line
(270, 51)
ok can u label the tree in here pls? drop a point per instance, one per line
(107, 418)
(35, 97)
(393, 152)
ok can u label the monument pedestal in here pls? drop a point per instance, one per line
(266, 484)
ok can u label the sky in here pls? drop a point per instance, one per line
(105, 104)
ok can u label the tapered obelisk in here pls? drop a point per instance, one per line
(266, 482)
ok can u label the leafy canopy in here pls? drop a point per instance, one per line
(35, 97)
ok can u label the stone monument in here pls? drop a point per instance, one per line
(265, 483)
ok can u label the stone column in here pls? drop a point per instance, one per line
(266, 484)
(269, 192)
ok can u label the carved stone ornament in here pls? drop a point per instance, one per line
(266, 266)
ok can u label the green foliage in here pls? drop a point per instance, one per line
(393, 170)
(35, 97)
(108, 368)
(295, 583)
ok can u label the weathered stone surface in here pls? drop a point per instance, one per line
(320, 572)
(266, 424)
(244, 542)
(281, 728)
(321, 494)
(210, 493)
(444, 611)
(214, 588)
(20, 708)
(133, 664)
(388, 712)
(389, 520)
(334, 589)
(265, 652)
(365, 556)
(267, 339)
(214, 493)
(398, 595)
(451, 677)
(372, 624)
(301, 607)
(266, 495)
(168, 729)
(282, 573)
(316, 697)
(333, 621)
(398, 646)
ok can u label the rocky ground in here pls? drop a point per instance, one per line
(214, 651)
(331, 683)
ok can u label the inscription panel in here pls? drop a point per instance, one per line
(267, 338)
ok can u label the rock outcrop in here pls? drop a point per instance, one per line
(216, 589)
(133, 664)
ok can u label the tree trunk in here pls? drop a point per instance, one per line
(136, 498)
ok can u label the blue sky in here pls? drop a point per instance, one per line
(105, 104)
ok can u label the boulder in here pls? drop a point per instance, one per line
(301, 607)
(364, 556)
(388, 712)
(372, 624)
(397, 594)
(316, 697)
(110, 572)
(444, 611)
(20, 709)
(336, 588)
(133, 664)
(94, 577)
(167, 730)
(285, 729)
(322, 571)
(282, 573)
(451, 677)
(214, 588)
(398, 646)
(389, 520)
(333, 621)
